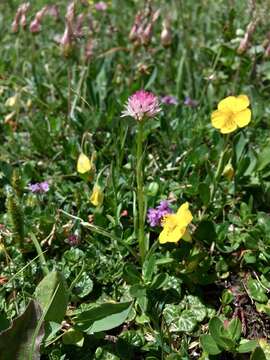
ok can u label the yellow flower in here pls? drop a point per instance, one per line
(83, 164)
(12, 101)
(175, 225)
(228, 171)
(97, 196)
(232, 112)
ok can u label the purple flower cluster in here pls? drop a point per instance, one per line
(73, 240)
(154, 216)
(191, 102)
(169, 100)
(39, 188)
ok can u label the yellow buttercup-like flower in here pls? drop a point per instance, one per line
(97, 196)
(232, 112)
(175, 225)
(83, 164)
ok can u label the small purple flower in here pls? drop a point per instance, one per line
(73, 240)
(190, 102)
(155, 216)
(39, 188)
(169, 100)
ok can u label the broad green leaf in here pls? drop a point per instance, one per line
(44, 293)
(73, 337)
(227, 297)
(148, 269)
(263, 308)
(131, 274)
(263, 159)
(218, 332)
(206, 232)
(197, 307)
(16, 341)
(209, 345)
(258, 354)
(247, 346)
(4, 323)
(235, 329)
(186, 322)
(256, 291)
(83, 287)
(159, 281)
(102, 317)
(204, 192)
(266, 348)
(51, 330)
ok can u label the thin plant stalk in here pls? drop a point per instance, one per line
(41, 258)
(140, 193)
(220, 168)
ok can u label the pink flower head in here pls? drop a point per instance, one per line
(142, 104)
(35, 26)
(101, 6)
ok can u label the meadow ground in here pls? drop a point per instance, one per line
(134, 180)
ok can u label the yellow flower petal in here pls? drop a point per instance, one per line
(184, 215)
(234, 103)
(242, 118)
(218, 118)
(97, 196)
(175, 225)
(83, 164)
(228, 127)
(169, 235)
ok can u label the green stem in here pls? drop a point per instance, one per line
(140, 193)
(219, 170)
(41, 258)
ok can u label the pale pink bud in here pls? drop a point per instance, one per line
(15, 26)
(66, 41)
(147, 34)
(23, 21)
(244, 44)
(35, 26)
(133, 36)
(79, 26)
(70, 14)
(101, 6)
(166, 36)
(155, 16)
(53, 10)
(89, 49)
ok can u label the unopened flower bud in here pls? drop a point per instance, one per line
(155, 16)
(97, 196)
(78, 32)
(20, 17)
(53, 10)
(66, 41)
(228, 171)
(89, 49)
(166, 36)
(15, 26)
(147, 34)
(244, 45)
(23, 21)
(70, 14)
(35, 26)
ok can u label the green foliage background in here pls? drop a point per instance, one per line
(183, 302)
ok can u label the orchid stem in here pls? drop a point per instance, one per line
(140, 194)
